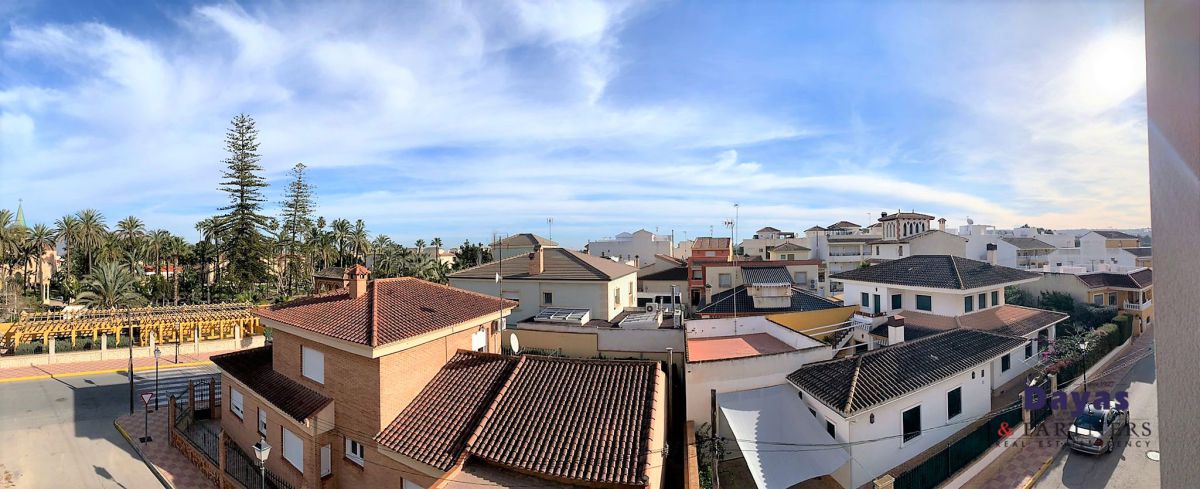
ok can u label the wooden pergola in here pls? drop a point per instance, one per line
(169, 324)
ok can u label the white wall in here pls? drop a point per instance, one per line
(1019, 366)
(740, 374)
(641, 244)
(595, 296)
(947, 303)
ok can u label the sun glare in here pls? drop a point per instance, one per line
(1109, 71)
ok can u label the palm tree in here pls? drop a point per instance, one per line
(156, 244)
(130, 232)
(341, 238)
(360, 241)
(110, 286)
(176, 248)
(437, 248)
(66, 228)
(92, 233)
(378, 246)
(39, 238)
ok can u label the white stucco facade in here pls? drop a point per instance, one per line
(640, 245)
(605, 299)
(943, 302)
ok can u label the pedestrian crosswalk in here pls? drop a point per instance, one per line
(174, 381)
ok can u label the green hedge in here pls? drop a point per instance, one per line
(63, 345)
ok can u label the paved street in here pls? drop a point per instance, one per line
(1127, 466)
(59, 432)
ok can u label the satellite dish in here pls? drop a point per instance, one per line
(514, 343)
(970, 221)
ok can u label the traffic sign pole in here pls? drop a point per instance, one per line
(146, 397)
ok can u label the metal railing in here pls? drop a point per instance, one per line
(245, 469)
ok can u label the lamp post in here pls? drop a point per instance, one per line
(157, 354)
(1083, 349)
(261, 451)
(129, 319)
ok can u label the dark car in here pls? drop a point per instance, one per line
(1095, 431)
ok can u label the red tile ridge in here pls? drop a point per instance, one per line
(358, 269)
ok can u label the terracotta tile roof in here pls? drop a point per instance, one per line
(331, 272)
(852, 384)
(767, 229)
(815, 228)
(1136, 280)
(252, 367)
(905, 215)
(434, 429)
(558, 264)
(789, 246)
(392, 309)
(525, 240)
(729, 347)
(671, 259)
(844, 225)
(574, 420)
(1008, 319)
(566, 420)
(937, 271)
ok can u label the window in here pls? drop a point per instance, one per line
(354, 451)
(1098, 299)
(1005, 362)
(876, 250)
(1028, 350)
(814, 413)
(412, 485)
(900, 249)
(912, 423)
(710, 253)
(262, 422)
(312, 364)
(725, 280)
(983, 301)
(801, 278)
(995, 298)
(479, 341)
(830, 428)
(235, 403)
(547, 298)
(953, 403)
(1112, 298)
(968, 303)
(866, 299)
(293, 449)
(897, 301)
(924, 303)
(698, 274)
(326, 465)
(617, 297)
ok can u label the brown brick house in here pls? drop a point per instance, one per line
(397, 383)
(341, 365)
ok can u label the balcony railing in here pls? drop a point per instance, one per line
(845, 253)
(1138, 307)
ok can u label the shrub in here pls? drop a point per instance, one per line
(1057, 301)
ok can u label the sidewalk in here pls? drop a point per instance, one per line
(35, 372)
(169, 464)
(1021, 466)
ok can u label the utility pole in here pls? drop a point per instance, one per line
(129, 319)
(712, 439)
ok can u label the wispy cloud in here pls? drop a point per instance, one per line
(462, 118)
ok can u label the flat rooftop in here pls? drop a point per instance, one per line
(729, 347)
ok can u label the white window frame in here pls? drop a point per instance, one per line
(479, 341)
(326, 460)
(237, 403)
(293, 452)
(724, 280)
(312, 364)
(355, 455)
(262, 422)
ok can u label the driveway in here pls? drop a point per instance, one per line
(59, 433)
(1127, 466)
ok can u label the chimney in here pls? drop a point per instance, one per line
(537, 261)
(358, 281)
(895, 330)
(883, 214)
(942, 224)
(991, 253)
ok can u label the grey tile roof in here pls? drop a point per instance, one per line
(937, 271)
(1029, 243)
(766, 275)
(1142, 252)
(853, 384)
(672, 274)
(722, 303)
(911, 332)
(1115, 235)
(559, 264)
(1137, 280)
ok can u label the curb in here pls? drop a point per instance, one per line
(106, 371)
(1042, 470)
(153, 469)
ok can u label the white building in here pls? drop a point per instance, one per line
(555, 277)
(910, 233)
(885, 412)
(1101, 251)
(637, 248)
(766, 239)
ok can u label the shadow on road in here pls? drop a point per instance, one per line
(100, 471)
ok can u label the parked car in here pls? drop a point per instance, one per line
(1095, 431)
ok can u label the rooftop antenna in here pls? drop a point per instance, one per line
(550, 224)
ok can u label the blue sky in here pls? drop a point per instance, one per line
(457, 119)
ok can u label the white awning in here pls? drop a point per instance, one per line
(779, 438)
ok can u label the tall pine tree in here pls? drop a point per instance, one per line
(244, 246)
(297, 220)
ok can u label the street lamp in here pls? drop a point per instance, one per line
(1083, 349)
(261, 451)
(157, 354)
